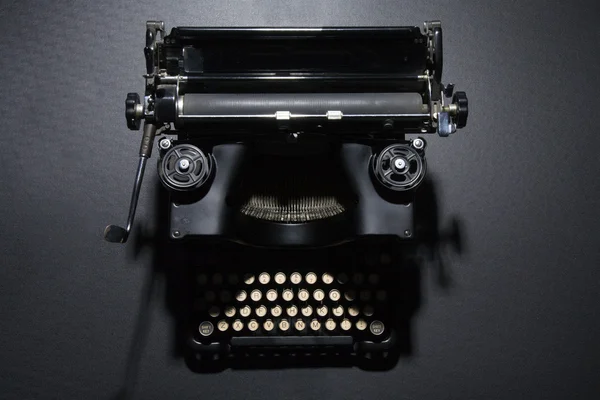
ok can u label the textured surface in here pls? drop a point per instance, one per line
(520, 321)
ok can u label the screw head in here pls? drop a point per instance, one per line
(176, 234)
(164, 144)
(399, 163)
(418, 143)
(407, 233)
(184, 164)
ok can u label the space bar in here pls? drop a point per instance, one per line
(268, 341)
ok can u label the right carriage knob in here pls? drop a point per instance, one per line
(462, 104)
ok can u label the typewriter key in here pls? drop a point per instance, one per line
(202, 279)
(214, 311)
(322, 311)
(307, 311)
(248, 279)
(300, 325)
(268, 325)
(232, 279)
(230, 311)
(346, 324)
(315, 325)
(295, 278)
(241, 295)
(256, 295)
(342, 278)
(253, 325)
(210, 296)
(353, 311)
(217, 279)
(327, 278)
(284, 325)
(303, 295)
(280, 278)
(225, 296)
(330, 324)
(272, 295)
(334, 295)
(361, 325)
(311, 278)
(206, 328)
(365, 295)
(350, 295)
(338, 311)
(222, 325)
(287, 295)
(358, 279)
(261, 311)
(238, 325)
(368, 311)
(264, 278)
(381, 295)
(292, 311)
(318, 295)
(276, 311)
(245, 311)
(376, 328)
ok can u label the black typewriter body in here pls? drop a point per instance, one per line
(290, 180)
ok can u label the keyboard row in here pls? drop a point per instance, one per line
(291, 311)
(299, 325)
(288, 295)
(281, 278)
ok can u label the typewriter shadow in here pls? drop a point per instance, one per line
(427, 251)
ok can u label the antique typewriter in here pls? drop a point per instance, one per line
(291, 180)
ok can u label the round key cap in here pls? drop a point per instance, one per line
(350, 295)
(248, 279)
(292, 311)
(353, 311)
(376, 328)
(225, 296)
(253, 325)
(322, 311)
(342, 278)
(300, 325)
(222, 325)
(318, 295)
(230, 311)
(368, 311)
(307, 311)
(217, 279)
(373, 279)
(276, 311)
(315, 325)
(303, 295)
(334, 295)
(295, 278)
(245, 311)
(233, 279)
(241, 295)
(361, 325)
(256, 295)
(284, 325)
(358, 278)
(280, 278)
(330, 324)
(264, 278)
(206, 328)
(381, 295)
(202, 279)
(268, 325)
(311, 278)
(327, 278)
(365, 295)
(271, 295)
(338, 311)
(214, 311)
(238, 325)
(287, 295)
(210, 296)
(346, 324)
(261, 311)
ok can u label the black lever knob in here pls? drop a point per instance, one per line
(462, 103)
(132, 111)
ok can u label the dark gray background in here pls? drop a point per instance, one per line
(520, 322)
